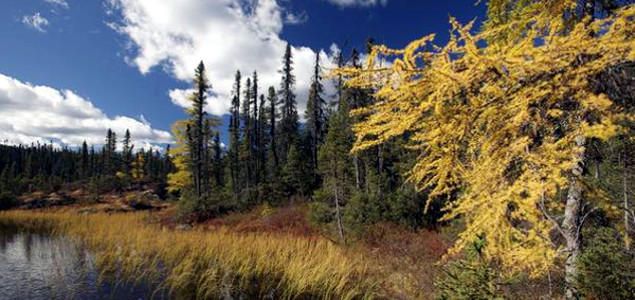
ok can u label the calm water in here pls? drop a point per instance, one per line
(42, 266)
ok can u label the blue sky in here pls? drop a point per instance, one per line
(69, 69)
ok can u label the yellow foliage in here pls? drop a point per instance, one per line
(498, 123)
(137, 167)
(182, 177)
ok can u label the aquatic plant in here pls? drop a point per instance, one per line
(208, 264)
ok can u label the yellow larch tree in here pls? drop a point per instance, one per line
(138, 165)
(181, 178)
(503, 124)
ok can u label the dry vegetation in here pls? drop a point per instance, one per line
(209, 263)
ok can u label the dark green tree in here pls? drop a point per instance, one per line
(315, 114)
(272, 98)
(288, 130)
(84, 161)
(127, 153)
(336, 166)
(234, 131)
(198, 135)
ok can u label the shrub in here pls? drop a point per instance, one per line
(7, 201)
(606, 269)
(320, 213)
(471, 278)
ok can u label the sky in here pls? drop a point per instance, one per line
(71, 69)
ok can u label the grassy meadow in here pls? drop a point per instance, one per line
(203, 264)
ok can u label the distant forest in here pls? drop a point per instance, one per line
(49, 168)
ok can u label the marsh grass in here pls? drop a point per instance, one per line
(198, 264)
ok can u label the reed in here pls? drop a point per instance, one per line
(200, 264)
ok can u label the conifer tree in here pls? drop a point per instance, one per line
(191, 157)
(255, 142)
(93, 161)
(353, 96)
(335, 163)
(109, 153)
(234, 131)
(245, 154)
(196, 131)
(288, 130)
(315, 114)
(218, 169)
(263, 140)
(127, 153)
(85, 164)
(295, 177)
(272, 98)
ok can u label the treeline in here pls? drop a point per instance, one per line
(48, 168)
(272, 158)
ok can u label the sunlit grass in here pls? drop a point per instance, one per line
(208, 264)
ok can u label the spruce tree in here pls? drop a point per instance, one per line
(84, 164)
(288, 133)
(127, 153)
(93, 161)
(218, 169)
(198, 134)
(254, 145)
(245, 153)
(272, 98)
(335, 166)
(262, 139)
(109, 153)
(234, 131)
(315, 114)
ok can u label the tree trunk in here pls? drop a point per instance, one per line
(597, 170)
(571, 223)
(625, 191)
(358, 179)
(338, 215)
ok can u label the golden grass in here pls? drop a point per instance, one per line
(209, 264)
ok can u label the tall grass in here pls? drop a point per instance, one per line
(199, 264)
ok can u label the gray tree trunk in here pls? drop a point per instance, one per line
(625, 191)
(571, 223)
(358, 178)
(338, 214)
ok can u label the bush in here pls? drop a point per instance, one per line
(471, 278)
(606, 269)
(7, 201)
(320, 213)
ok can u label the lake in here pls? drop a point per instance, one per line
(45, 266)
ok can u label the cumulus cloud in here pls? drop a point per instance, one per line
(295, 19)
(358, 3)
(40, 114)
(228, 35)
(60, 3)
(36, 22)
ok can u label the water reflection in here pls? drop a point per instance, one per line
(42, 266)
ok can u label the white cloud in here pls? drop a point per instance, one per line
(228, 35)
(36, 22)
(358, 3)
(33, 114)
(60, 3)
(294, 19)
